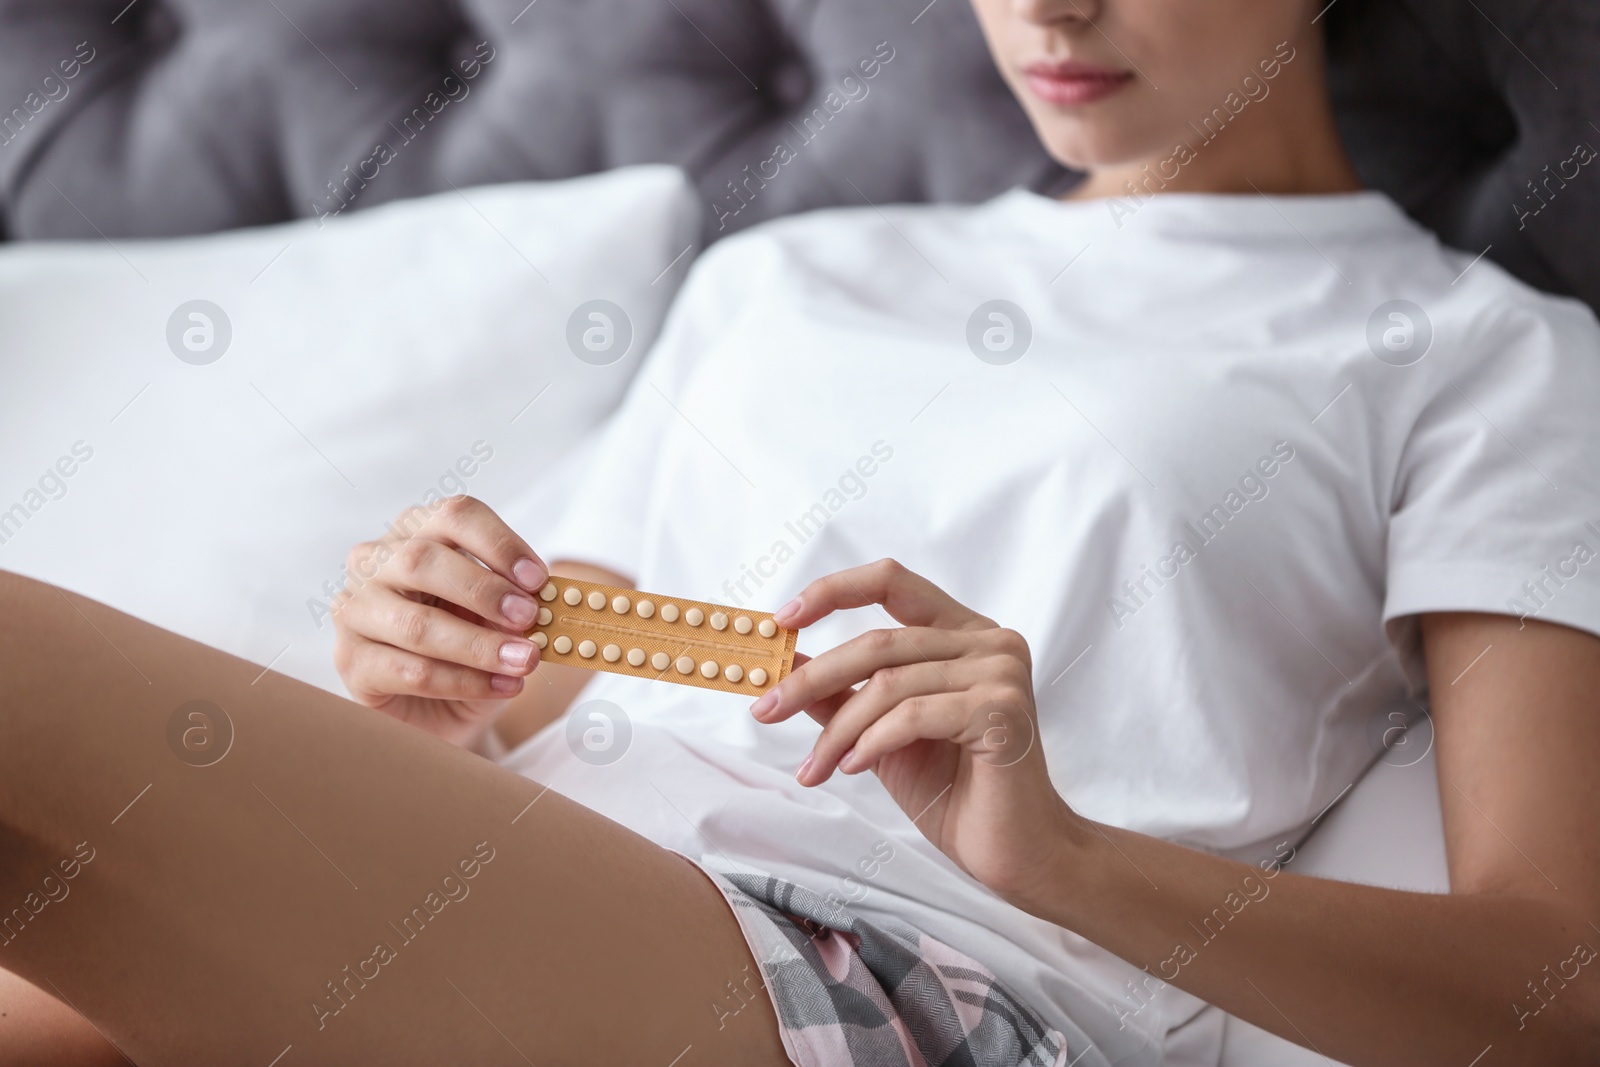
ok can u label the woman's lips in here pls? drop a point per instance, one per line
(1071, 84)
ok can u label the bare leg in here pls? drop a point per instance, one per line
(336, 884)
(39, 1030)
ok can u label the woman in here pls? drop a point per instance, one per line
(1197, 477)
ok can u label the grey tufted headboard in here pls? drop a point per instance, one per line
(156, 117)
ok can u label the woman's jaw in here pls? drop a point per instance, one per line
(1229, 96)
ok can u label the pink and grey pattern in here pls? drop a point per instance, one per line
(851, 993)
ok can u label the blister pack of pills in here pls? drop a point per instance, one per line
(605, 628)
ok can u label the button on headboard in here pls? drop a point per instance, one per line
(158, 117)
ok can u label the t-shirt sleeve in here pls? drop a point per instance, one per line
(1497, 505)
(605, 519)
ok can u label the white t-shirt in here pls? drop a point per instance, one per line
(1201, 496)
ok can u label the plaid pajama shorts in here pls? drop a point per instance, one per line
(849, 993)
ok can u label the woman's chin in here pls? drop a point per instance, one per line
(1075, 153)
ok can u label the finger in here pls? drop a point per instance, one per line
(929, 717)
(471, 525)
(853, 662)
(376, 672)
(423, 565)
(821, 710)
(881, 696)
(909, 598)
(384, 616)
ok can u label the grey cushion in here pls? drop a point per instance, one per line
(198, 115)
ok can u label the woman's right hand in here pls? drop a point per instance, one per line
(429, 628)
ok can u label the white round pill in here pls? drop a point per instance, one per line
(669, 613)
(545, 616)
(548, 592)
(767, 628)
(620, 604)
(611, 653)
(694, 616)
(685, 665)
(597, 600)
(645, 608)
(733, 672)
(660, 661)
(539, 638)
(719, 621)
(743, 624)
(586, 649)
(710, 669)
(636, 657)
(563, 644)
(758, 677)
(572, 595)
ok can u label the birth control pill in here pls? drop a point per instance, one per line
(626, 631)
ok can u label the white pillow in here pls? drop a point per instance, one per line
(417, 348)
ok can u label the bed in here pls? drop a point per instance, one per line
(124, 121)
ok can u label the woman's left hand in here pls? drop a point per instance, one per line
(944, 714)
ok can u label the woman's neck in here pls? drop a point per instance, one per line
(1287, 144)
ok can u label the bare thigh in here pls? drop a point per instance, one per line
(326, 885)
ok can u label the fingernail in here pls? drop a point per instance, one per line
(505, 684)
(800, 775)
(787, 612)
(764, 704)
(847, 762)
(518, 609)
(515, 654)
(529, 573)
